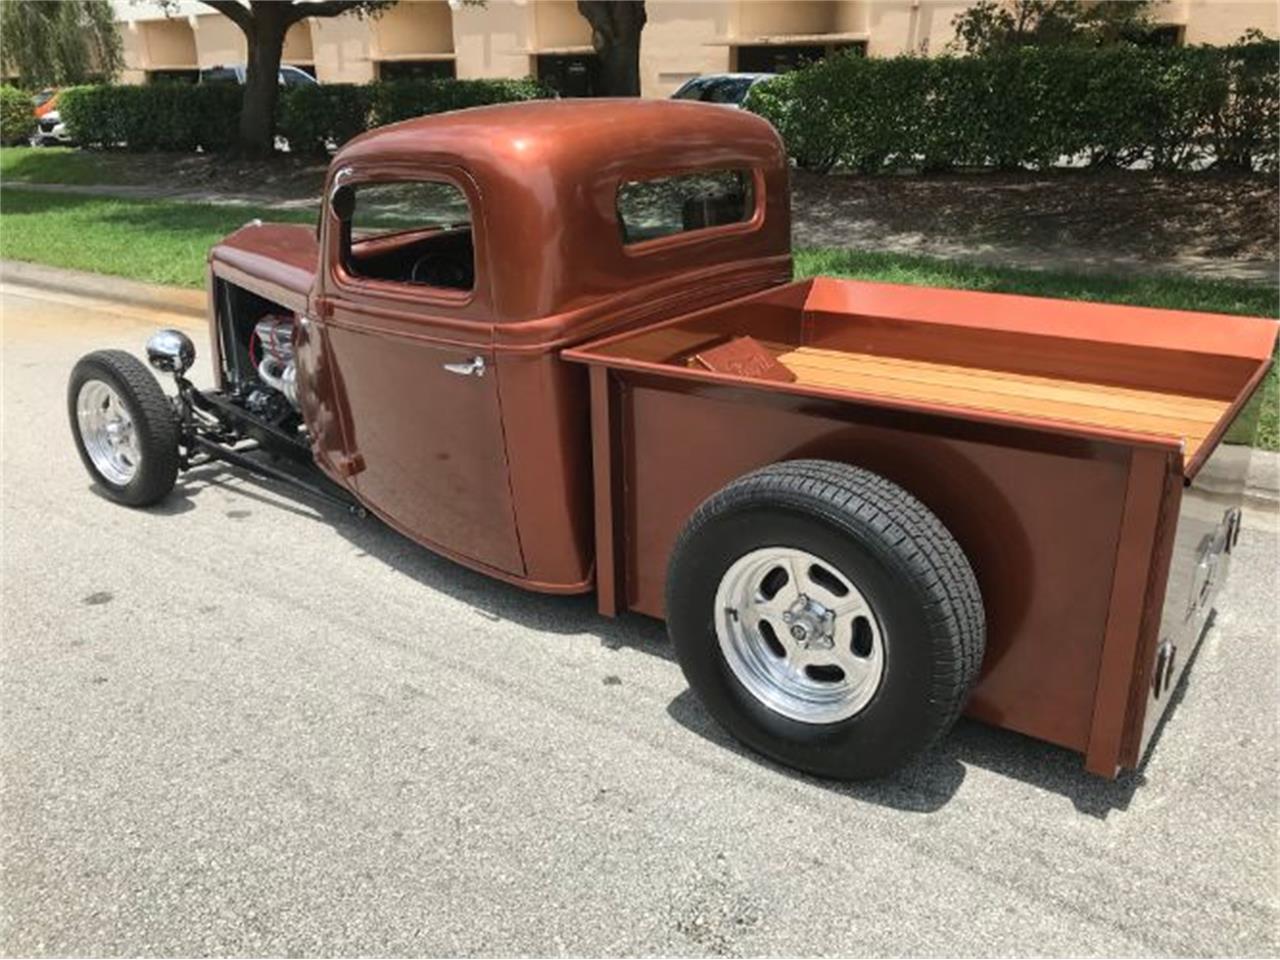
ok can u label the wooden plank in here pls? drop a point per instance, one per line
(978, 399)
(1188, 418)
(1116, 398)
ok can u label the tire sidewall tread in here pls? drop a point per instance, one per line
(155, 424)
(913, 572)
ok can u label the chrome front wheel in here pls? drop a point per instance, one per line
(124, 426)
(107, 430)
(799, 635)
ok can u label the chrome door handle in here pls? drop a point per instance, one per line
(472, 368)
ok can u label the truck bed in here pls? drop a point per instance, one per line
(1089, 459)
(1163, 376)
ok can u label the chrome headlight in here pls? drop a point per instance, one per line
(171, 351)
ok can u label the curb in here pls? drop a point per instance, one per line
(1262, 486)
(153, 296)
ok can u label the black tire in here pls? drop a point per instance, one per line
(155, 425)
(905, 563)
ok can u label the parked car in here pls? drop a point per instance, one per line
(50, 130)
(560, 343)
(235, 73)
(729, 89)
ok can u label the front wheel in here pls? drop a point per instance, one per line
(124, 427)
(825, 617)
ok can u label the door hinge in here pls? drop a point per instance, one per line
(349, 466)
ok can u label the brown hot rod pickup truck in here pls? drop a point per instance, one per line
(560, 343)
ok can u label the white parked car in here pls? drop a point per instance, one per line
(49, 126)
(235, 73)
(730, 89)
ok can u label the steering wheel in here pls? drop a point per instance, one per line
(440, 270)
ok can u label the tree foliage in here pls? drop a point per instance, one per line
(59, 44)
(991, 26)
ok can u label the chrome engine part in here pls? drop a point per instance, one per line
(277, 367)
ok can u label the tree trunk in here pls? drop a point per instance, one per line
(620, 67)
(615, 33)
(262, 82)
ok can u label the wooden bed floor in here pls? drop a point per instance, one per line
(1089, 404)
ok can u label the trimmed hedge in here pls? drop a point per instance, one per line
(160, 116)
(312, 117)
(184, 117)
(17, 115)
(1170, 108)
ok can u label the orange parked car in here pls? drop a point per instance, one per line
(560, 343)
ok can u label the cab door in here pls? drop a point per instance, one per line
(407, 322)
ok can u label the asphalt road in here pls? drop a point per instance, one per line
(239, 725)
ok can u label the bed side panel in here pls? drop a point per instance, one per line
(1038, 515)
(1203, 530)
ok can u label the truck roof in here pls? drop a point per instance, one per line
(518, 141)
(547, 172)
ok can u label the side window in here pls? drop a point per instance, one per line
(413, 231)
(662, 206)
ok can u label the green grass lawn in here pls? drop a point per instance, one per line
(167, 242)
(59, 165)
(154, 240)
(1170, 291)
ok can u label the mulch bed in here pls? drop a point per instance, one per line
(1143, 214)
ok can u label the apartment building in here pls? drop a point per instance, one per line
(549, 39)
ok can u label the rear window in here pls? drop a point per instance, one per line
(663, 206)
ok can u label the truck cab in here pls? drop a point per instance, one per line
(456, 257)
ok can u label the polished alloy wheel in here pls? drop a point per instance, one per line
(107, 430)
(798, 635)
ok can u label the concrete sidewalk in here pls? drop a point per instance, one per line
(1262, 490)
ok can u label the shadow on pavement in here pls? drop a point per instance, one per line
(925, 786)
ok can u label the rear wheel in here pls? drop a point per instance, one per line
(826, 618)
(124, 426)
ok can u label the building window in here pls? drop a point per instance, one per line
(773, 58)
(173, 76)
(570, 75)
(662, 206)
(416, 70)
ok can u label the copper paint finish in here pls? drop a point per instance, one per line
(567, 464)
(503, 483)
(1062, 521)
